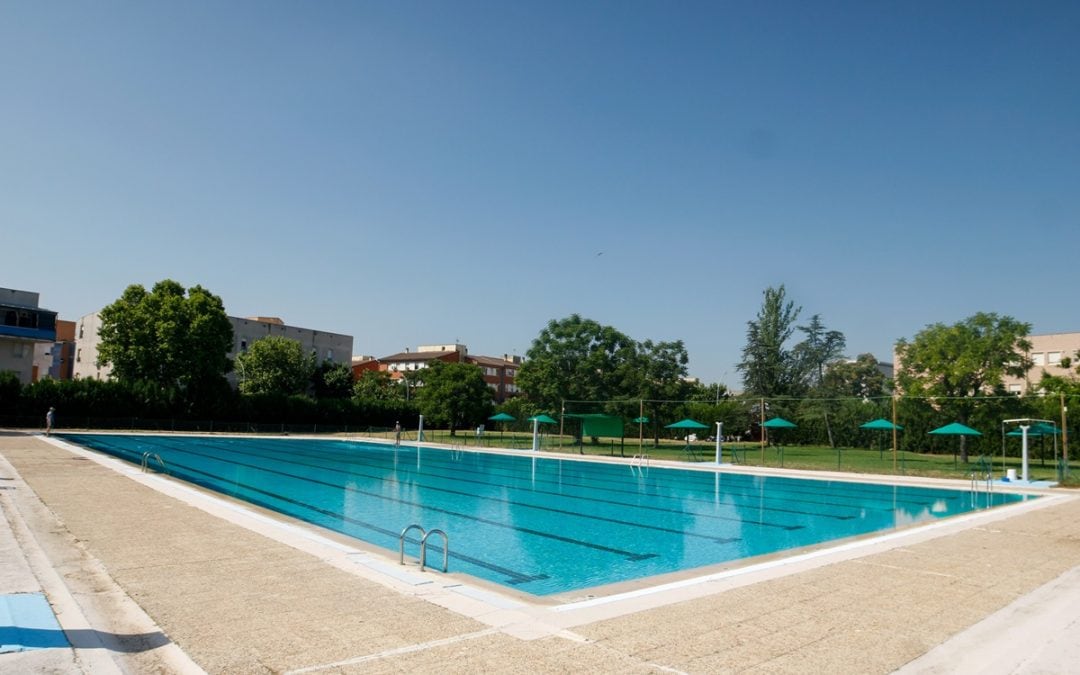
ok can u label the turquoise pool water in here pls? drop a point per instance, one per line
(542, 525)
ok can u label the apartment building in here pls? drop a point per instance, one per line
(323, 345)
(23, 326)
(1053, 354)
(498, 373)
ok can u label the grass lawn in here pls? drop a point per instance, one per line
(813, 458)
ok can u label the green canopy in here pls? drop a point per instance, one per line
(955, 429)
(542, 419)
(881, 423)
(778, 423)
(640, 420)
(687, 424)
(502, 417)
(1035, 430)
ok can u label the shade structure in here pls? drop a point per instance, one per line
(640, 420)
(502, 417)
(686, 424)
(779, 423)
(537, 420)
(955, 429)
(881, 423)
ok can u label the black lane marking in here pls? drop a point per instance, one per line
(293, 460)
(629, 555)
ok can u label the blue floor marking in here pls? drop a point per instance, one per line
(27, 622)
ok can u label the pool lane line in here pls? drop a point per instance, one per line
(690, 481)
(628, 555)
(496, 500)
(293, 460)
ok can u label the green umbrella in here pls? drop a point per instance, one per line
(687, 424)
(537, 420)
(504, 418)
(882, 424)
(955, 429)
(640, 420)
(776, 423)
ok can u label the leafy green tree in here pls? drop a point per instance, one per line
(578, 359)
(860, 378)
(10, 388)
(767, 367)
(168, 336)
(661, 379)
(275, 365)
(454, 394)
(376, 385)
(819, 348)
(955, 363)
(332, 380)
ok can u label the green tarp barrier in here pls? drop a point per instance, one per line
(610, 426)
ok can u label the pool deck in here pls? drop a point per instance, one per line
(148, 575)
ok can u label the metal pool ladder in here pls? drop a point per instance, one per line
(423, 546)
(147, 456)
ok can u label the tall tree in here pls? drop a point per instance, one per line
(819, 348)
(661, 378)
(454, 394)
(967, 359)
(332, 380)
(860, 378)
(579, 360)
(172, 338)
(275, 365)
(768, 368)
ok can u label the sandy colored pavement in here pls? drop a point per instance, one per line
(168, 587)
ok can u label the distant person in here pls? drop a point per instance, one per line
(397, 433)
(50, 419)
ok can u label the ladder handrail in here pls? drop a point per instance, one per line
(401, 542)
(146, 461)
(446, 549)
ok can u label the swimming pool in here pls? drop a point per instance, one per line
(543, 525)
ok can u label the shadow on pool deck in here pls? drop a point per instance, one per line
(237, 601)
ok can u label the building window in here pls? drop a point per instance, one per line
(1014, 389)
(78, 355)
(1053, 358)
(80, 331)
(329, 354)
(1038, 359)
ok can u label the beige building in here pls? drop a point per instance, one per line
(323, 345)
(1053, 354)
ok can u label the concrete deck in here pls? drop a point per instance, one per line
(148, 575)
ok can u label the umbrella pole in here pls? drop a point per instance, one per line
(763, 432)
(641, 427)
(894, 433)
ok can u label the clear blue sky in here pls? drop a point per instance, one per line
(424, 172)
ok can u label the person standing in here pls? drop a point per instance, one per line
(397, 433)
(50, 418)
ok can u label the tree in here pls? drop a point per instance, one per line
(376, 385)
(275, 365)
(454, 394)
(167, 337)
(967, 359)
(768, 368)
(820, 348)
(332, 380)
(578, 359)
(662, 377)
(860, 378)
